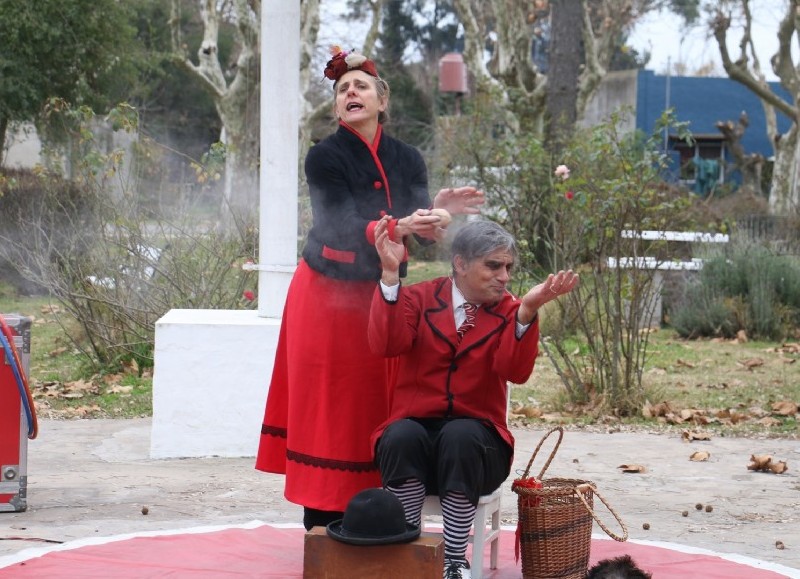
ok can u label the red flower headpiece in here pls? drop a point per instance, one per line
(344, 61)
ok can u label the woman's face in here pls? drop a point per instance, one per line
(357, 99)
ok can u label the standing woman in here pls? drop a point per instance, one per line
(328, 391)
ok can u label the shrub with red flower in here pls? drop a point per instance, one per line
(248, 295)
(569, 195)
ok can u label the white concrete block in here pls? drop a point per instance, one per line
(210, 382)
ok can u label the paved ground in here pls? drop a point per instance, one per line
(93, 478)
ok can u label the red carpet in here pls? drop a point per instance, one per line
(261, 550)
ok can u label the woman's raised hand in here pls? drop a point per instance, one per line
(460, 200)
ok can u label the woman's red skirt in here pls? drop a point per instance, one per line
(327, 395)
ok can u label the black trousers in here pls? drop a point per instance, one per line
(316, 518)
(463, 455)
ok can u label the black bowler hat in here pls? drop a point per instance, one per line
(373, 517)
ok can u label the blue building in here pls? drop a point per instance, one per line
(701, 102)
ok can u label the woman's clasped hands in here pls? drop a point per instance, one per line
(432, 223)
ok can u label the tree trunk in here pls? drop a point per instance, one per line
(3, 131)
(309, 31)
(566, 18)
(784, 196)
(239, 112)
(750, 165)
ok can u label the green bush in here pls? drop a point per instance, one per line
(33, 201)
(747, 288)
(115, 265)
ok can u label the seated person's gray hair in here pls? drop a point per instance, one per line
(479, 238)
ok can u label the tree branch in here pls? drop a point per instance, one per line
(739, 72)
(473, 41)
(376, 7)
(782, 62)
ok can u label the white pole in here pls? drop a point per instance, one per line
(278, 178)
(667, 105)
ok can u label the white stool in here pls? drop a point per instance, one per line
(488, 507)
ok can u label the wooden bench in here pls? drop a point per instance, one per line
(689, 236)
(657, 265)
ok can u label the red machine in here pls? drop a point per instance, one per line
(17, 414)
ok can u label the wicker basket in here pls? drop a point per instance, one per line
(554, 532)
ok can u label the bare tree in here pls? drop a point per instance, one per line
(746, 69)
(506, 27)
(235, 89)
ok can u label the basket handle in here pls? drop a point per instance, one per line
(560, 431)
(580, 490)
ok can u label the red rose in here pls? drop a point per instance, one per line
(248, 295)
(569, 195)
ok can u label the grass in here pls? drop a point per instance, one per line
(722, 385)
(63, 383)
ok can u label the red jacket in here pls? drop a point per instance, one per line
(437, 377)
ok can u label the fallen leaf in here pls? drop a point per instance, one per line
(112, 378)
(741, 336)
(751, 363)
(56, 352)
(81, 386)
(700, 456)
(778, 467)
(690, 435)
(785, 408)
(131, 367)
(720, 386)
(684, 363)
(82, 411)
(764, 463)
(759, 462)
(634, 468)
(553, 417)
(737, 417)
(661, 409)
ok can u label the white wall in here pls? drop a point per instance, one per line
(211, 381)
(23, 147)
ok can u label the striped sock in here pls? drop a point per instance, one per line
(458, 515)
(412, 494)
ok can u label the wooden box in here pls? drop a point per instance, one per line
(327, 558)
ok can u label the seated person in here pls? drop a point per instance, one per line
(460, 340)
